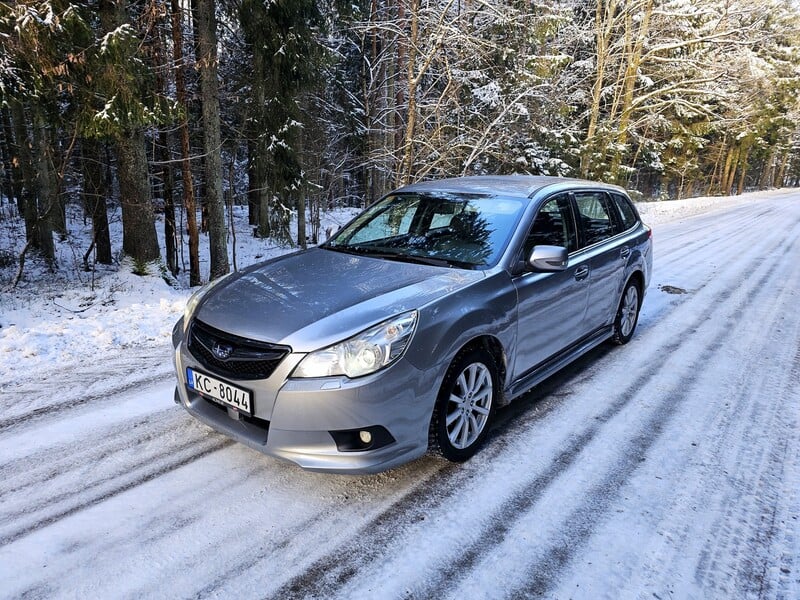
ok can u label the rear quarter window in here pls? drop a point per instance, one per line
(626, 211)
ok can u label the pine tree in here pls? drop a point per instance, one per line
(286, 61)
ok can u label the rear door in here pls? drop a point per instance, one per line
(604, 252)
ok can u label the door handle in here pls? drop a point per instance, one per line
(625, 253)
(581, 273)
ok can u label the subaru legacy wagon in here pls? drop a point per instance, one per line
(406, 330)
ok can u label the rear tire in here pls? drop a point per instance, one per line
(465, 406)
(627, 314)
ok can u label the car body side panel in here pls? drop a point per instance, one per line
(551, 314)
(484, 308)
(640, 258)
(606, 275)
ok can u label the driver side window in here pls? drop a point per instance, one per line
(553, 226)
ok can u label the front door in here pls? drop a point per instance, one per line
(551, 306)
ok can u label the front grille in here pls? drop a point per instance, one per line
(246, 359)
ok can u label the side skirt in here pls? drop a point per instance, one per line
(558, 362)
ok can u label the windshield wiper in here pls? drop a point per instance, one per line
(422, 260)
(411, 258)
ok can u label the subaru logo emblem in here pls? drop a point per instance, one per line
(222, 351)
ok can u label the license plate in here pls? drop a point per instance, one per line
(220, 391)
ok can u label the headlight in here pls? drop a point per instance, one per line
(365, 353)
(194, 299)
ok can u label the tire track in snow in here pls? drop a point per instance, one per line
(749, 515)
(334, 570)
(121, 472)
(730, 483)
(64, 406)
(715, 231)
(409, 498)
(116, 490)
(50, 462)
(580, 524)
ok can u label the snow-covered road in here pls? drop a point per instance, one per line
(667, 468)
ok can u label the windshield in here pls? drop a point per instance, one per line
(457, 230)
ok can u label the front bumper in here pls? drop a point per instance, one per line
(293, 419)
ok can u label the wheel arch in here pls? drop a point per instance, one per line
(495, 348)
(638, 277)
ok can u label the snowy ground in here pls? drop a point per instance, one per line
(668, 468)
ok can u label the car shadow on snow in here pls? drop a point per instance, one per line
(536, 403)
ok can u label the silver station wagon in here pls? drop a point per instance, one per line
(408, 328)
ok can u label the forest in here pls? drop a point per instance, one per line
(175, 111)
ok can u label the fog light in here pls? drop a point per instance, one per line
(362, 440)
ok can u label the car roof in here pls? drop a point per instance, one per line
(520, 186)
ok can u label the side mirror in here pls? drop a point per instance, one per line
(548, 258)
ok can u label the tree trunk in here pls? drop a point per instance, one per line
(24, 158)
(162, 150)
(781, 172)
(139, 239)
(715, 171)
(633, 57)
(252, 179)
(406, 165)
(45, 184)
(209, 86)
(300, 201)
(186, 169)
(730, 170)
(94, 199)
(603, 25)
(57, 212)
(37, 192)
(399, 93)
(170, 228)
(743, 170)
(11, 185)
(768, 170)
(258, 181)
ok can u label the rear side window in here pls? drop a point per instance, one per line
(626, 211)
(594, 217)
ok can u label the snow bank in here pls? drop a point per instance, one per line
(71, 317)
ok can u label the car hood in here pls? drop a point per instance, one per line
(315, 298)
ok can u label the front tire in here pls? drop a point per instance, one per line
(465, 406)
(627, 314)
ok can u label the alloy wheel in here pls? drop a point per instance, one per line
(469, 405)
(629, 311)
